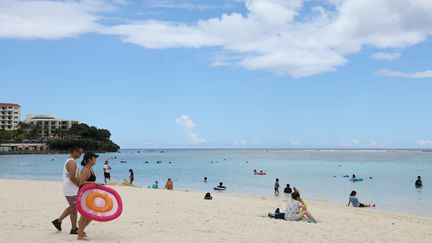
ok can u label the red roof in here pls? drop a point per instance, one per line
(9, 104)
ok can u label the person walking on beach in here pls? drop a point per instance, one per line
(419, 182)
(355, 202)
(87, 177)
(107, 171)
(288, 189)
(70, 190)
(276, 187)
(169, 184)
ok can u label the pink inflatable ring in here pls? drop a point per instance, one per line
(100, 203)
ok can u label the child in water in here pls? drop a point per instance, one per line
(276, 187)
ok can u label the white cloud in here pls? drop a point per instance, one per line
(352, 142)
(274, 36)
(240, 143)
(388, 56)
(49, 19)
(185, 121)
(183, 4)
(398, 74)
(189, 124)
(424, 142)
(195, 138)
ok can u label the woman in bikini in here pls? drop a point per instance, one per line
(87, 177)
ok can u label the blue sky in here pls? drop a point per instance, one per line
(233, 73)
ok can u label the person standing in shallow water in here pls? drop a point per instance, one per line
(288, 189)
(131, 176)
(70, 190)
(419, 182)
(276, 187)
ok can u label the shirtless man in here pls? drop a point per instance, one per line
(70, 189)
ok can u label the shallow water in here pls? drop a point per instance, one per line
(311, 171)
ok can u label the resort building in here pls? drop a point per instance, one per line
(49, 123)
(9, 116)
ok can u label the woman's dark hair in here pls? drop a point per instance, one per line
(295, 195)
(220, 183)
(353, 193)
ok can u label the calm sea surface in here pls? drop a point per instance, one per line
(318, 174)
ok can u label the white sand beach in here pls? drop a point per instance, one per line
(27, 208)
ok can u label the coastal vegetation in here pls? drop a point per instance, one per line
(79, 135)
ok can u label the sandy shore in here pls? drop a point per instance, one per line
(27, 207)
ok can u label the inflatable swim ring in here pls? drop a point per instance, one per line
(219, 188)
(356, 179)
(261, 173)
(100, 203)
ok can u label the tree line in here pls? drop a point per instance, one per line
(79, 135)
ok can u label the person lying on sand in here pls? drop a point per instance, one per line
(295, 210)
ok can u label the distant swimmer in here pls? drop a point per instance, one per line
(221, 187)
(205, 179)
(419, 182)
(355, 202)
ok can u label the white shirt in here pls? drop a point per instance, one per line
(107, 168)
(69, 188)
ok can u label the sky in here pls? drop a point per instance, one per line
(225, 73)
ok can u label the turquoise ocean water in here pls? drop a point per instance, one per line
(318, 174)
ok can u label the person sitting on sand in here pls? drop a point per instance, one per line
(288, 189)
(169, 184)
(355, 202)
(208, 196)
(131, 176)
(155, 185)
(418, 182)
(295, 210)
